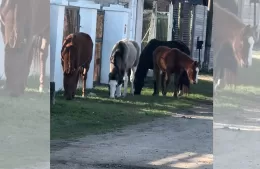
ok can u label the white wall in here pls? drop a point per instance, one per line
(115, 28)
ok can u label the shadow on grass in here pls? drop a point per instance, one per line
(98, 114)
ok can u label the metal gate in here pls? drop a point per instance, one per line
(71, 21)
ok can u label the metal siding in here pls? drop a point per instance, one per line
(185, 24)
(247, 14)
(199, 31)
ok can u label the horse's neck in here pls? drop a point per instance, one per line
(186, 62)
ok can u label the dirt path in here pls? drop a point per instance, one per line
(175, 142)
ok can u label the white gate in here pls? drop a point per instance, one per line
(88, 13)
(115, 28)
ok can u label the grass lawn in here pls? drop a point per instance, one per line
(99, 114)
(247, 91)
(24, 128)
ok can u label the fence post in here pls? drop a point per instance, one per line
(154, 19)
(170, 22)
(208, 36)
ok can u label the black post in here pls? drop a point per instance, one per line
(208, 35)
(254, 12)
(52, 93)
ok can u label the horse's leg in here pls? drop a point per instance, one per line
(156, 79)
(84, 79)
(132, 78)
(167, 80)
(125, 84)
(163, 76)
(176, 84)
(43, 58)
(220, 78)
(118, 90)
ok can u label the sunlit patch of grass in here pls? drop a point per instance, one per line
(99, 113)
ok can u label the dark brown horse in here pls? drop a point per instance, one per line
(20, 22)
(172, 61)
(76, 55)
(229, 28)
(237, 39)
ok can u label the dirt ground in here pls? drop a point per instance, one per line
(178, 142)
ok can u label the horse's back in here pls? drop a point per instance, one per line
(84, 46)
(132, 56)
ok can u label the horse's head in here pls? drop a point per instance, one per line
(70, 69)
(245, 43)
(193, 72)
(116, 74)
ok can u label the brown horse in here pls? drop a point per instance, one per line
(20, 22)
(172, 61)
(237, 39)
(76, 55)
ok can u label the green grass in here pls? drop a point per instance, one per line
(247, 91)
(99, 114)
(25, 128)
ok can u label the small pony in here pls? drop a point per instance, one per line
(146, 60)
(76, 55)
(172, 61)
(124, 56)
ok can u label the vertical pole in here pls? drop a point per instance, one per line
(208, 35)
(154, 15)
(170, 22)
(254, 12)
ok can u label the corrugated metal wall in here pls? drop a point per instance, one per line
(199, 30)
(176, 20)
(246, 12)
(185, 25)
(162, 26)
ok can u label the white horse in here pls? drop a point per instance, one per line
(124, 56)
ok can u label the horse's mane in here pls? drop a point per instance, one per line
(184, 54)
(67, 43)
